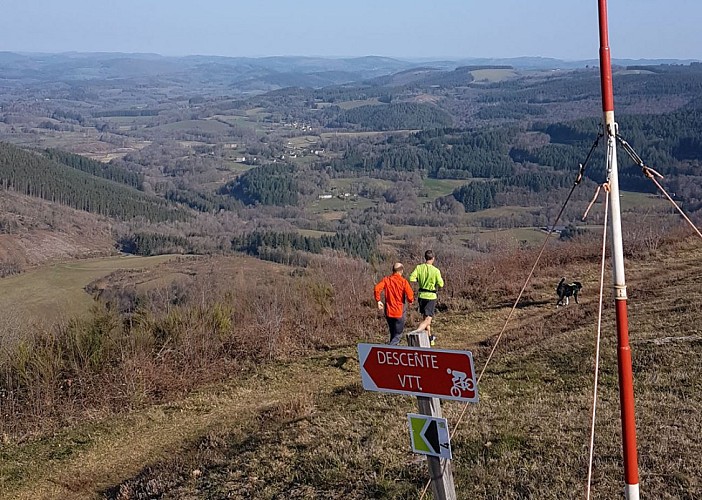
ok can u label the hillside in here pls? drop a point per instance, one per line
(34, 231)
(304, 428)
(35, 175)
(228, 375)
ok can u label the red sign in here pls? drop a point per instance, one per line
(418, 371)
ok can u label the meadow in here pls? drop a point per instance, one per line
(58, 290)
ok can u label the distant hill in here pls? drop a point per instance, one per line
(406, 77)
(541, 63)
(429, 76)
(247, 74)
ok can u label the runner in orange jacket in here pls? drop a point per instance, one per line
(397, 290)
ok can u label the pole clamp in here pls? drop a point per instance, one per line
(620, 292)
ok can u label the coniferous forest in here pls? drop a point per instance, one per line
(34, 174)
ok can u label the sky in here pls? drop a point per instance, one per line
(409, 29)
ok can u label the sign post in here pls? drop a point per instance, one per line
(440, 469)
(428, 374)
(418, 370)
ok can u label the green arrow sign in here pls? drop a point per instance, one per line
(429, 435)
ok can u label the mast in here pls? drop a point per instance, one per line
(626, 383)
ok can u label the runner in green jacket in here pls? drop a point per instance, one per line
(429, 279)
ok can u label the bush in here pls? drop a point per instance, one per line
(139, 348)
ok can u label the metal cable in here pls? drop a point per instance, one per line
(597, 344)
(653, 175)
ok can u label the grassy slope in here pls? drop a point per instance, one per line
(306, 429)
(58, 289)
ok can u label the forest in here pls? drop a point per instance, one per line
(36, 175)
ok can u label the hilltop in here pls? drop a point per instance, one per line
(304, 427)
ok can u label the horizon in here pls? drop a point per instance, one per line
(555, 29)
(411, 59)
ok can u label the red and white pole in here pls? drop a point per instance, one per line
(626, 378)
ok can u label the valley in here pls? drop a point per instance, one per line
(188, 247)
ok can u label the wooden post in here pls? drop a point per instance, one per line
(439, 469)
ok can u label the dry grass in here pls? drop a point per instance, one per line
(36, 231)
(147, 342)
(305, 429)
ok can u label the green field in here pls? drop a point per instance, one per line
(249, 121)
(331, 135)
(493, 75)
(58, 290)
(632, 201)
(507, 237)
(442, 187)
(337, 205)
(236, 166)
(518, 235)
(303, 141)
(201, 125)
(129, 120)
(349, 184)
(497, 212)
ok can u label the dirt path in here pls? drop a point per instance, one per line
(114, 451)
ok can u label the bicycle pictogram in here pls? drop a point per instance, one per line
(461, 382)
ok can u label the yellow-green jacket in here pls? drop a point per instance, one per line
(429, 279)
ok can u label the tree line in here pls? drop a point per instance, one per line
(395, 116)
(478, 195)
(442, 153)
(202, 202)
(148, 244)
(670, 142)
(126, 112)
(273, 184)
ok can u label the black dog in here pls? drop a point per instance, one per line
(565, 290)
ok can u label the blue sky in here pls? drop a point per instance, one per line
(565, 29)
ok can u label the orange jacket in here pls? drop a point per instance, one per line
(397, 289)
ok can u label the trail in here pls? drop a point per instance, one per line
(121, 447)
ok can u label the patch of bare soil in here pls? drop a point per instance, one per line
(34, 231)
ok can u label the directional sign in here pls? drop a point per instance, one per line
(429, 435)
(418, 371)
